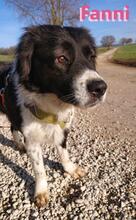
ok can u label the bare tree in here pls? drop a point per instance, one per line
(108, 41)
(58, 12)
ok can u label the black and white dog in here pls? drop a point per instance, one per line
(54, 71)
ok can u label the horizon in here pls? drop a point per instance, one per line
(12, 25)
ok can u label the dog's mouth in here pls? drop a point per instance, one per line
(69, 98)
(94, 100)
(90, 104)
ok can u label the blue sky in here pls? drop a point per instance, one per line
(12, 26)
(118, 29)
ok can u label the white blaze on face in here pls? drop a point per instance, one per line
(80, 85)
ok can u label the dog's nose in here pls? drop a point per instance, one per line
(97, 87)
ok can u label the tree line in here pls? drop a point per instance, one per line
(108, 41)
(7, 51)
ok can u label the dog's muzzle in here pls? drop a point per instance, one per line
(89, 88)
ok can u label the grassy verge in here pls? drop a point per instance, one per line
(6, 58)
(125, 55)
(102, 50)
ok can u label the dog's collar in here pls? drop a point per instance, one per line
(46, 117)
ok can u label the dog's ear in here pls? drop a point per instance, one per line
(24, 55)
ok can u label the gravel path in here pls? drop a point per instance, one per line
(103, 140)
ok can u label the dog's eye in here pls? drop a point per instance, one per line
(62, 60)
(91, 57)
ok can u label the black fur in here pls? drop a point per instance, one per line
(10, 107)
(13, 110)
(4, 71)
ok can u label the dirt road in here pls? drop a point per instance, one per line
(119, 110)
(102, 139)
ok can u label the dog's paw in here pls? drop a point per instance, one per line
(77, 173)
(41, 199)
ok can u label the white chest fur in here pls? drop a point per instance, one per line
(34, 129)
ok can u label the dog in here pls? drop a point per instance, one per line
(54, 72)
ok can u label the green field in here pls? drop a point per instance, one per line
(6, 58)
(126, 55)
(102, 50)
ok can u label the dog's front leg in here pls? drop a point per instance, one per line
(41, 192)
(73, 169)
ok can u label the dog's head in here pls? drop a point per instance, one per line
(60, 60)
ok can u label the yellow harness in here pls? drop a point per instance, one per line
(46, 117)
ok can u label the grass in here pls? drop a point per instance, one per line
(126, 55)
(102, 49)
(6, 58)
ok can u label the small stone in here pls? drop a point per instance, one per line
(35, 214)
(79, 201)
(83, 188)
(47, 213)
(55, 175)
(15, 204)
(9, 211)
(22, 184)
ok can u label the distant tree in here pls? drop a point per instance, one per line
(124, 41)
(58, 12)
(129, 41)
(108, 41)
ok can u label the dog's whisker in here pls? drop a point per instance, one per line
(68, 96)
(73, 100)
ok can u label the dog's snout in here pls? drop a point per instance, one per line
(97, 87)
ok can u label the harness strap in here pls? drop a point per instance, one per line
(2, 99)
(45, 117)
